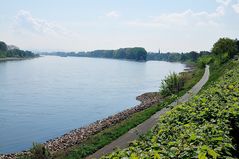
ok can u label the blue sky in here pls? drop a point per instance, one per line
(77, 25)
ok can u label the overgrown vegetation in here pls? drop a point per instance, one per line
(225, 49)
(200, 128)
(38, 151)
(205, 127)
(172, 84)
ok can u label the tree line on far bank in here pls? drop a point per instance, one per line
(177, 57)
(136, 53)
(140, 54)
(13, 51)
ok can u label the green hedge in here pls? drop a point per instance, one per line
(201, 128)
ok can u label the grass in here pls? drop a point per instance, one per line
(216, 71)
(108, 135)
(192, 79)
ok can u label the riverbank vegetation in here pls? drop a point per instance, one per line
(204, 127)
(172, 84)
(136, 53)
(217, 54)
(10, 51)
(177, 57)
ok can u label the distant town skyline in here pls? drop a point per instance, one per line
(77, 25)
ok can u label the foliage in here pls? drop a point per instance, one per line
(204, 60)
(237, 41)
(172, 84)
(177, 57)
(225, 49)
(136, 53)
(38, 151)
(3, 46)
(5, 52)
(216, 71)
(200, 128)
(16, 53)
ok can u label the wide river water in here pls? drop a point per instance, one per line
(48, 96)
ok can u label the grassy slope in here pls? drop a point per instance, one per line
(108, 135)
(205, 127)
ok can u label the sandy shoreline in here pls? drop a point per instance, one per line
(76, 136)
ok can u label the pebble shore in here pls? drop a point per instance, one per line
(76, 136)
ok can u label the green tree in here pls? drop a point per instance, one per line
(193, 55)
(3, 46)
(225, 48)
(139, 53)
(204, 60)
(237, 41)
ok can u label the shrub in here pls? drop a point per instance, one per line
(172, 84)
(204, 60)
(225, 49)
(38, 151)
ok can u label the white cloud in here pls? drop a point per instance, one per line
(112, 14)
(186, 18)
(224, 2)
(236, 7)
(28, 31)
(25, 23)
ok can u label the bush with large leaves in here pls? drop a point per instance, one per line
(201, 128)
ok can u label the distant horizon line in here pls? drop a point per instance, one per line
(163, 52)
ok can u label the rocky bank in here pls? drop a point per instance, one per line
(76, 136)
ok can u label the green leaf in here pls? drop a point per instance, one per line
(134, 156)
(202, 155)
(156, 155)
(204, 100)
(212, 153)
(192, 137)
(217, 139)
(204, 147)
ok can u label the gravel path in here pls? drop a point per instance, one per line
(124, 140)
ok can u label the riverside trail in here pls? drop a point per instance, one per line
(133, 134)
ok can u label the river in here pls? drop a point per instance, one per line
(45, 97)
